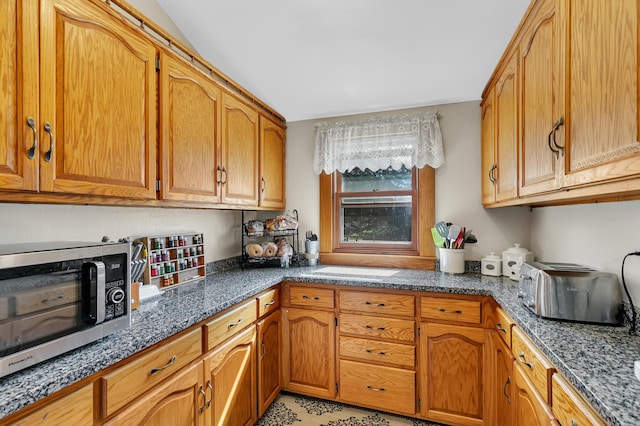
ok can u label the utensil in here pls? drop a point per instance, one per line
(460, 240)
(454, 231)
(136, 251)
(442, 229)
(437, 238)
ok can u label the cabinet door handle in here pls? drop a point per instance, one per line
(492, 177)
(270, 303)
(522, 360)
(264, 350)
(211, 389)
(234, 324)
(504, 390)
(204, 398)
(167, 365)
(375, 389)
(376, 304)
(219, 175)
(448, 311)
(264, 185)
(307, 297)
(372, 352)
(47, 128)
(224, 170)
(557, 125)
(32, 124)
(499, 327)
(374, 328)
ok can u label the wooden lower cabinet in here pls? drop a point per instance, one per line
(530, 409)
(230, 373)
(268, 354)
(73, 409)
(454, 369)
(308, 357)
(177, 401)
(503, 385)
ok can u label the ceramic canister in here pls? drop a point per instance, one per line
(513, 258)
(491, 265)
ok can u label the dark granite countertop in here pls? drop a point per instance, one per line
(597, 360)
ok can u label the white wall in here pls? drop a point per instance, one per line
(598, 235)
(152, 10)
(457, 181)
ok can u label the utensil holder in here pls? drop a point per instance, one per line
(452, 260)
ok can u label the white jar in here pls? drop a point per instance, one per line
(491, 265)
(513, 258)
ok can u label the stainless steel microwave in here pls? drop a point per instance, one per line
(58, 296)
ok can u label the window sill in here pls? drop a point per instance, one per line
(378, 260)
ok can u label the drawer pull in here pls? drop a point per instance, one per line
(269, 303)
(307, 297)
(522, 360)
(375, 389)
(211, 389)
(374, 328)
(372, 352)
(169, 364)
(504, 390)
(377, 304)
(574, 423)
(449, 312)
(499, 327)
(234, 324)
(204, 399)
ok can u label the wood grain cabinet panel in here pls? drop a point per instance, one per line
(189, 133)
(310, 297)
(121, 386)
(456, 310)
(309, 350)
(229, 323)
(530, 409)
(73, 409)
(100, 129)
(487, 157)
(19, 96)
(535, 365)
(269, 365)
(378, 352)
(503, 325)
(268, 302)
(272, 164)
(569, 407)
(378, 327)
(503, 391)
(240, 152)
(377, 303)
(381, 387)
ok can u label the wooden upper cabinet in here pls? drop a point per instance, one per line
(488, 164)
(19, 95)
(603, 92)
(506, 137)
(240, 148)
(272, 164)
(189, 133)
(540, 98)
(98, 103)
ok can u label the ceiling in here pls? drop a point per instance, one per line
(309, 59)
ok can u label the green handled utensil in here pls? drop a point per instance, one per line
(437, 238)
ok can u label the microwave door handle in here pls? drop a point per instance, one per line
(100, 292)
(95, 285)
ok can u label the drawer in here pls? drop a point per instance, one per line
(141, 374)
(535, 365)
(310, 297)
(228, 324)
(268, 302)
(458, 310)
(385, 388)
(372, 350)
(377, 303)
(503, 326)
(568, 405)
(383, 328)
(73, 409)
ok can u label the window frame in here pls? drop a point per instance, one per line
(422, 256)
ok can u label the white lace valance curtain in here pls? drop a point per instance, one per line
(379, 143)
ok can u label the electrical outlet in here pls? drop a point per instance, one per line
(636, 369)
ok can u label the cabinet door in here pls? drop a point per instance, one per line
(272, 164)
(269, 371)
(239, 152)
(189, 133)
(506, 172)
(603, 91)
(454, 369)
(503, 392)
(488, 149)
(19, 96)
(540, 69)
(308, 352)
(231, 376)
(530, 408)
(178, 401)
(73, 409)
(98, 101)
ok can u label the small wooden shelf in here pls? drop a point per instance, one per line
(173, 259)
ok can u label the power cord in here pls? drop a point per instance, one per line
(632, 328)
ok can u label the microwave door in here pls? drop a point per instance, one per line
(93, 292)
